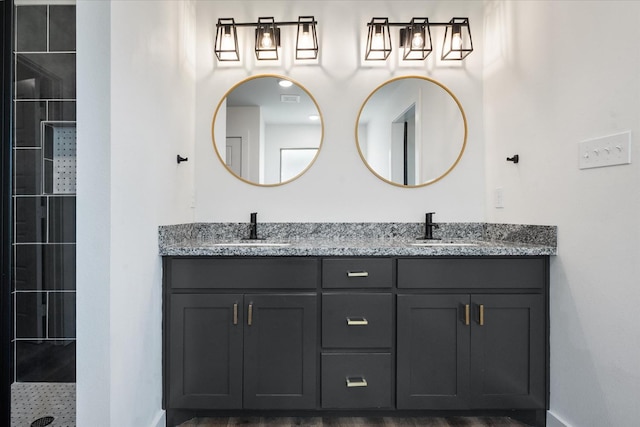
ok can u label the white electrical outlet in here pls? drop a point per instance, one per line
(498, 198)
(608, 150)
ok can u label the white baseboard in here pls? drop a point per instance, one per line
(554, 420)
(160, 420)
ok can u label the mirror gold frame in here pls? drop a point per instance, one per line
(429, 181)
(221, 103)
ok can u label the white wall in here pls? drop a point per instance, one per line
(93, 214)
(136, 98)
(558, 72)
(339, 82)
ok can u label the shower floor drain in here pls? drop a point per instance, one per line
(41, 422)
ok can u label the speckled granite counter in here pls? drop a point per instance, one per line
(357, 239)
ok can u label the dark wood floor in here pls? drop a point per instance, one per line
(354, 422)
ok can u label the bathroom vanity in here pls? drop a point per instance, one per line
(355, 326)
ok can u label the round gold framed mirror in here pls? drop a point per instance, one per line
(411, 131)
(267, 130)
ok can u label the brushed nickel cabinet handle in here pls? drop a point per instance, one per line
(235, 313)
(357, 273)
(250, 315)
(357, 321)
(481, 315)
(466, 314)
(356, 382)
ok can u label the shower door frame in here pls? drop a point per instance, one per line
(6, 323)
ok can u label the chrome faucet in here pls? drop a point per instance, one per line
(429, 225)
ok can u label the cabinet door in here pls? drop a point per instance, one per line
(507, 352)
(432, 352)
(280, 351)
(205, 354)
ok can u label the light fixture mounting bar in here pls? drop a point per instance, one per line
(406, 24)
(279, 24)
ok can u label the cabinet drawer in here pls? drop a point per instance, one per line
(357, 273)
(359, 380)
(471, 273)
(247, 273)
(356, 320)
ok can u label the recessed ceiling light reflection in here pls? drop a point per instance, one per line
(285, 83)
(314, 117)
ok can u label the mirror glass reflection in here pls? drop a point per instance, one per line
(267, 130)
(411, 131)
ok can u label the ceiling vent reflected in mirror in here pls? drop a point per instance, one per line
(290, 99)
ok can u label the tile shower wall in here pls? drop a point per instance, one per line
(44, 194)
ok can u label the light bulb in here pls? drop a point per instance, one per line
(456, 38)
(227, 42)
(378, 42)
(305, 41)
(418, 41)
(456, 42)
(266, 41)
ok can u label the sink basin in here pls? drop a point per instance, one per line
(443, 243)
(252, 244)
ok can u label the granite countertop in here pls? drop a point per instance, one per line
(361, 239)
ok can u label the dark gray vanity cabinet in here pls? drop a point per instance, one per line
(232, 351)
(206, 351)
(490, 358)
(280, 351)
(357, 370)
(367, 334)
(233, 345)
(480, 350)
(432, 352)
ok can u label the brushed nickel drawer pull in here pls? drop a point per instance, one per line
(357, 321)
(466, 314)
(250, 315)
(356, 382)
(235, 313)
(357, 273)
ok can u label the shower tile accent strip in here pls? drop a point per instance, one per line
(44, 287)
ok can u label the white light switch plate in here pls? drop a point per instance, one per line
(608, 150)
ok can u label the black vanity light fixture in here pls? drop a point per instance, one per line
(267, 38)
(415, 39)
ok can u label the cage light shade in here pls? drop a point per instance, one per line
(457, 42)
(415, 39)
(378, 40)
(226, 45)
(307, 38)
(267, 39)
